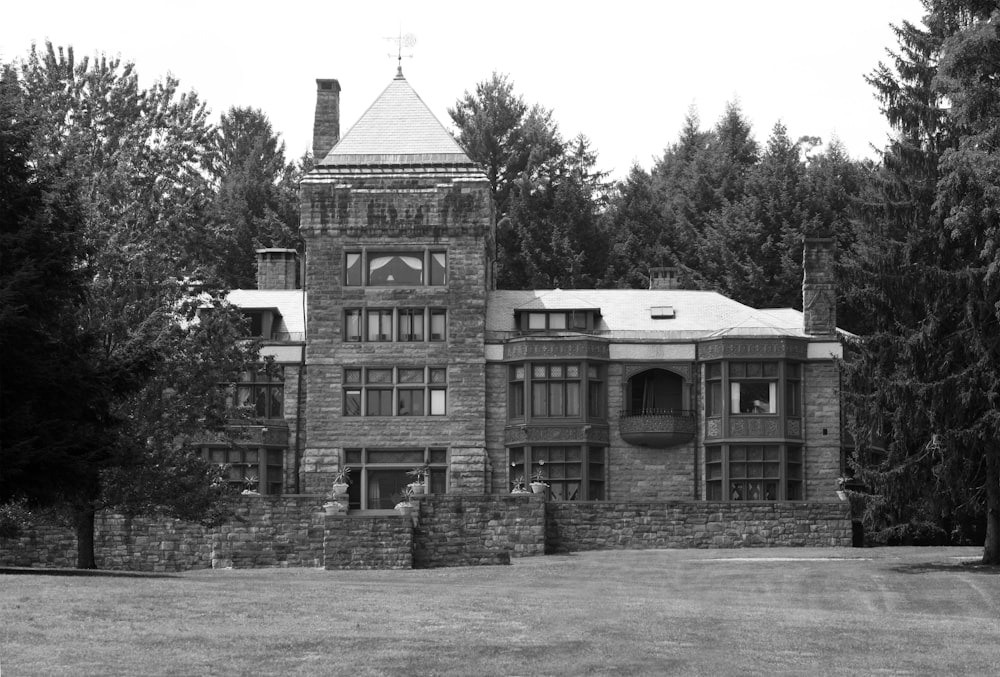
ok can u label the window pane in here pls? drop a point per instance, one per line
(439, 268)
(352, 403)
(411, 403)
(573, 399)
(792, 398)
(539, 371)
(714, 370)
(439, 375)
(519, 373)
(395, 269)
(437, 402)
(771, 369)
(379, 325)
(539, 399)
(352, 325)
(352, 376)
(557, 403)
(411, 325)
(753, 369)
(411, 375)
(595, 399)
(556, 371)
(536, 320)
(379, 403)
(517, 399)
(714, 399)
(557, 320)
(437, 325)
(738, 369)
(352, 270)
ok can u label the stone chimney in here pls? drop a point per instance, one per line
(819, 289)
(664, 278)
(326, 125)
(277, 269)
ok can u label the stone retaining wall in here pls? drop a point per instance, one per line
(605, 526)
(489, 529)
(376, 542)
(450, 530)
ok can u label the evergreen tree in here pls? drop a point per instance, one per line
(256, 194)
(925, 378)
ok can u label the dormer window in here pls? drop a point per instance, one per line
(555, 320)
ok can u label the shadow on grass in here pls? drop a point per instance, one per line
(952, 568)
(30, 571)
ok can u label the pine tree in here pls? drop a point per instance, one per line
(924, 380)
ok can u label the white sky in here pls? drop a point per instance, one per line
(624, 73)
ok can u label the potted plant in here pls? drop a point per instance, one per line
(842, 488)
(250, 483)
(341, 481)
(518, 486)
(419, 483)
(538, 485)
(405, 507)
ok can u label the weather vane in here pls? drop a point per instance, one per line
(407, 41)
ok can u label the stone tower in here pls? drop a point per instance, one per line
(399, 231)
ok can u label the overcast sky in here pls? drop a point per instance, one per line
(623, 73)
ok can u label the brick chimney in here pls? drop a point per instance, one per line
(819, 289)
(664, 278)
(326, 125)
(277, 269)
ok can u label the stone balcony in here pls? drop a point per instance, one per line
(658, 427)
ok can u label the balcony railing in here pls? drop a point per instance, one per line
(658, 427)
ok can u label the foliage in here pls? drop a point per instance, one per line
(15, 518)
(547, 194)
(923, 383)
(143, 332)
(255, 203)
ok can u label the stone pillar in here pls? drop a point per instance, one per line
(819, 291)
(469, 471)
(326, 124)
(277, 269)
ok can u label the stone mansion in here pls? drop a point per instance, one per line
(392, 349)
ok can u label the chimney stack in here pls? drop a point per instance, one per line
(664, 278)
(277, 269)
(326, 125)
(819, 290)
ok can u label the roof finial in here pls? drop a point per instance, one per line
(408, 41)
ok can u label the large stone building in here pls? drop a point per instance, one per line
(393, 350)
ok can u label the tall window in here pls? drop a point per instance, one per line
(573, 472)
(415, 268)
(258, 468)
(556, 390)
(411, 324)
(261, 390)
(395, 391)
(753, 472)
(379, 476)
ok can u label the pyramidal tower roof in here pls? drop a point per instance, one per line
(397, 129)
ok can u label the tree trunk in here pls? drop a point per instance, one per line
(991, 547)
(84, 524)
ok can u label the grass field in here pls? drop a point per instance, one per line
(892, 611)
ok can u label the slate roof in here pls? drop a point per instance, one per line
(397, 129)
(626, 313)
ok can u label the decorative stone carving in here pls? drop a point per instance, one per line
(753, 427)
(794, 427)
(522, 349)
(560, 434)
(742, 348)
(713, 427)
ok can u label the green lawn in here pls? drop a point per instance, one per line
(891, 611)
